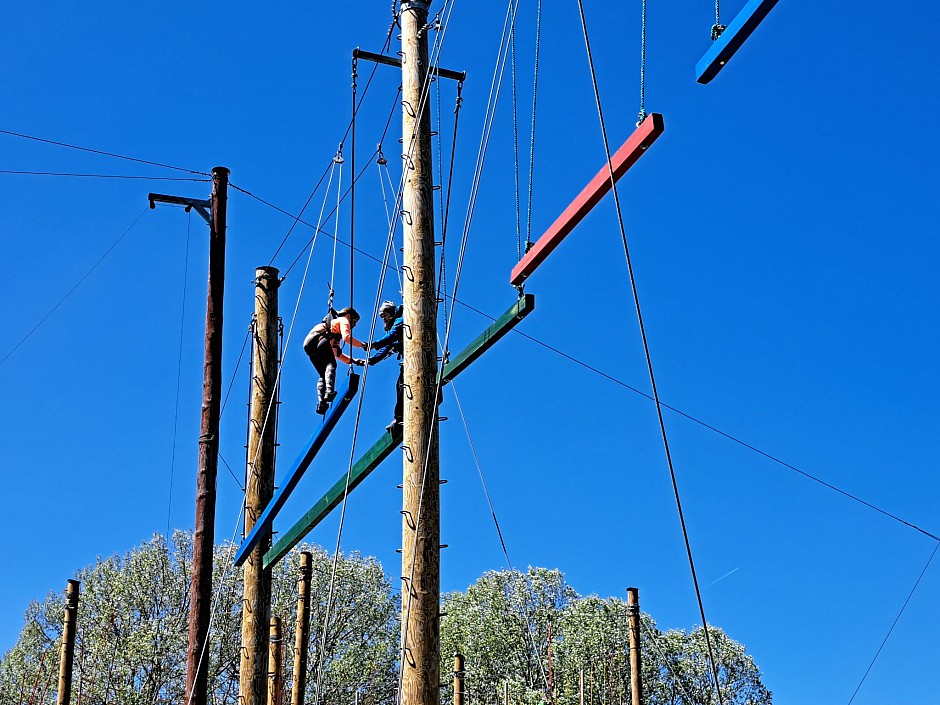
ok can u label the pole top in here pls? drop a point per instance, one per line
(266, 272)
(220, 171)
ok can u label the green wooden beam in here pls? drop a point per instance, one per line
(328, 502)
(483, 342)
(386, 444)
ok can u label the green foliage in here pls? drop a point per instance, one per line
(501, 626)
(518, 630)
(132, 630)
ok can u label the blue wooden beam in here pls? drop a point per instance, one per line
(736, 33)
(388, 442)
(262, 527)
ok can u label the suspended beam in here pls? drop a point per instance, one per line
(299, 467)
(600, 185)
(319, 511)
(488, 338)
(386, 444)
(731, 39)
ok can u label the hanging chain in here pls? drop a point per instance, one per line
(642, 114)
(535, 91)
(515, 139)
(352, 186)
(718, 27)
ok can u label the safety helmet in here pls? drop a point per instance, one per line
(388, 307)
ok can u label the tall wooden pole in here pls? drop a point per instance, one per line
(275, 664)
(459, 674)
(302, 640)
(68, 643)
(636, 673)
(200, 594)
(421, 471)
(259, 488)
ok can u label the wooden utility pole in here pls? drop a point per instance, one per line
(421, 470)
(636, 674)
(581, 685)
(200, 594)
(68, 643)
(459, 674)
(275, 664)
(302, 640)
(259, 488)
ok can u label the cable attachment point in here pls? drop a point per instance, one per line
(380, 158)
(338, 159)
(717, 29)
(641, 116)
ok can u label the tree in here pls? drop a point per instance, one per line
(501, 625)
(131, 638)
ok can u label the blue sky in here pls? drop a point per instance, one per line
(783, 234)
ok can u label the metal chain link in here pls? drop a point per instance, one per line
(718, 27)
(642, 114)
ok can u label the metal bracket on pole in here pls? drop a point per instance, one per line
(202, 207)
(392, 61)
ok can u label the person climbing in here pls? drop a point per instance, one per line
(324, 346)
(391, 316)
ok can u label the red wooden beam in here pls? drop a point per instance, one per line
(600, 185)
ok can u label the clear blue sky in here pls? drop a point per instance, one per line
(783, 232)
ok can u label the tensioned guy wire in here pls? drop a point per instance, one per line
(74, 287)
(646, 350)
(98, 151)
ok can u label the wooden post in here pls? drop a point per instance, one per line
(506, 692)
(581, 686)
(197, 659)
(421, 471)
(459, 673)
(551, 670)
(636, 673)
(275, 664)
(302, 640)
(259, 488)
(68, 643)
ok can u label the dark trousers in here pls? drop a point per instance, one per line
(320, 352)
(400, 394)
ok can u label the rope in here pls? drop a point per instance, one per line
(352, 186)
(535, 91)
(442, 288)
(297, 218)
(490, 111)
(515, 142)
(338, 159)
(675, 676)
(388, 215)
(179, 373)
(499, 532)
(74, 287)
(389, 246)
(646, 350)
(895, 623)
(229, 563)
